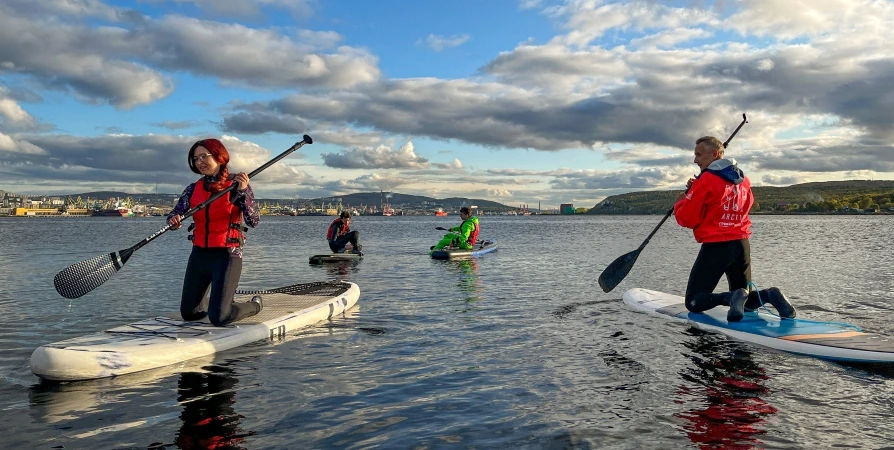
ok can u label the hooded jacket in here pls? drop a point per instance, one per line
(468, 230)
(716, 205)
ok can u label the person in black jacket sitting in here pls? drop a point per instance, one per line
(340, 234)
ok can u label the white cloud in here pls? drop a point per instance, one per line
(12, 145)
(765, 64)
(491, 193)
(670, 38)
(588, 20)
(242, 8)
(780, 180)
(381, 157)
(636, 77)
(12, 114)
(455, 165)
(529, 4)
(438, 43)
(122, 64)
(794, 18)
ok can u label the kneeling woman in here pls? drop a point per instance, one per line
(216, 258)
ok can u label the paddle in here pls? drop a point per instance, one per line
(441, 228)
(85, 276)
(619, 268)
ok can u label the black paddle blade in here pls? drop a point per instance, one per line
(85, 276)
(612, 276)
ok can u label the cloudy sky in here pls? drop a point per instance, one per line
(516, 101)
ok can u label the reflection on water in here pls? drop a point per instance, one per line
(209, 418)
(729, 395)
(340, 269)
(54, 402)
(544, 359)
(469, 281)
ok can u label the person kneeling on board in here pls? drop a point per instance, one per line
(340, 234)
(715, 206)
(464, 236)
(218, 237)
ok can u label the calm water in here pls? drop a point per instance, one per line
(518, 349)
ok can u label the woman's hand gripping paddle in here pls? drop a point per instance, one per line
(85, 276)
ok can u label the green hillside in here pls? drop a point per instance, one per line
(829, 196)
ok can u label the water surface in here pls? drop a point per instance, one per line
(517, 349)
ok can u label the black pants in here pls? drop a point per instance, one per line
(732, 258)
(340, 242)
(219, 270)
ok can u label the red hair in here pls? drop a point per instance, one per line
(220, 154)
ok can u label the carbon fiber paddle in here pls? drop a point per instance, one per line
(619, 268)
(85, 276)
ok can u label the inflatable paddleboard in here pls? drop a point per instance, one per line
(480, 248)
(336, 257)
(162, 341)
(827, 340)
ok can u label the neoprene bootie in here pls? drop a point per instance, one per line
(258, 300)
(737, 301)
(775, 297)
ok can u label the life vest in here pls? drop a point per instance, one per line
(336, 229)
(473, 236)
(218, 224)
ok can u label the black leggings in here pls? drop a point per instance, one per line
(715, 259)
(340, 242)
(219, 270)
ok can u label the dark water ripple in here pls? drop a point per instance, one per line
(518, 349)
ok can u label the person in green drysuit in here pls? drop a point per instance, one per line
(464, 236)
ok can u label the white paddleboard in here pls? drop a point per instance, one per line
(481, 248)
(162, 341)
(828, 340)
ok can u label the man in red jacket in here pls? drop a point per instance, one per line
(715, 206)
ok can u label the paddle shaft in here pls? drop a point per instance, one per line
(666, 216)
(203, 205)
(744, 121)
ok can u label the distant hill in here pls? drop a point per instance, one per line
(825, 196)
(377, 198)
(363, 198)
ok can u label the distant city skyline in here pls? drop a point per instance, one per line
(557, 101)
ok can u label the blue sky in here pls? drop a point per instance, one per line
(513, 101)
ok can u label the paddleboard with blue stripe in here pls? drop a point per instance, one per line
(827, 340)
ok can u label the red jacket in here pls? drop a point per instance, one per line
(337, 229)
(716, 209)
(217, 225)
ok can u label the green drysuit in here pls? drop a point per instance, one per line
(459, 236)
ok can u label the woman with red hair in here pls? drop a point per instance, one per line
(218, 236)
